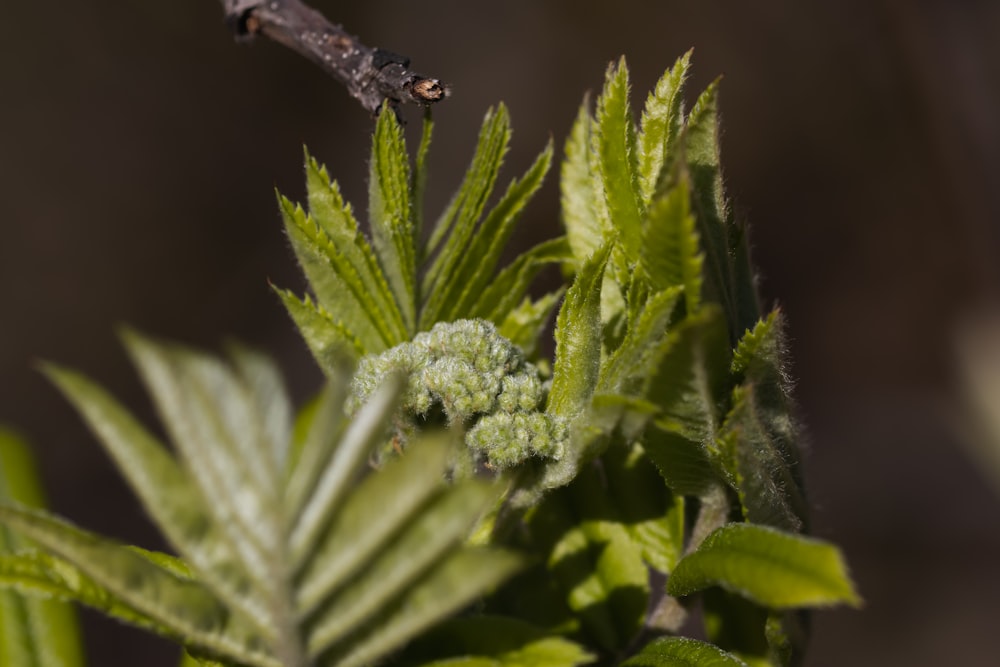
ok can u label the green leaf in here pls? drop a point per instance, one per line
(662, 122)
(682, 652)
(762, 434)
(720, 236)
(454, 583)
(165, 490)
(774, 569)
(182, 607)
(584, 208)
(419, 548)
(736, 625)
(507, 290)
(456, 225)
(478, 263)
(670, 253)
(390, 210)
(214, 424)
(684, 464)
(524, 325)
(691, 376)
(337, 465)
(578, 340)
(493, 641)
(328, 340)
(351, 298)
(754, 443)
(349, 248)
(619, 158)
(373, 515)
(419, 185)
(632, 361)
(594, 559)
(651, 514)
(33, 632)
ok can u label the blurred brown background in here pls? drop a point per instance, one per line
(139, 147)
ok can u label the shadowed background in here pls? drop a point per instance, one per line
(139, 149)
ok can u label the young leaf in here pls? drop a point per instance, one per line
(524, 325)
(682, 652)
(454, 583)
(630, 363)
(619, 158)
(662, 121)
(494, 641)
(477, 265)
(584, 209)
(351, 298)
(774, 569)
(336, 219)
(510, 285)
(390, 210)
(459, 219)
(419, 184)
(214, 425)
(670, 254)
(33, 632)
(717, 231)
(594, 559)
(181, 606)
(376, 512)
(162, 486)
(684, 464)
(691, 376)
(652, 515)
(578, 340)
(754, 442)
(419, 547)
(327, 339)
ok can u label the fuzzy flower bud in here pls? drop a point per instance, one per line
(478, 378)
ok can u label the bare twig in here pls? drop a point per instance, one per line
(372, 76)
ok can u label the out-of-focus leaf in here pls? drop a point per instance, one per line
(684, 464)
(774, 569)
(33, 632)
(652, 515)
(452, 584)
(524, 325)
(181, 607)
(682, 652)
(494, 641)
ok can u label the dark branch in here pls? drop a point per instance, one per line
(372, 76)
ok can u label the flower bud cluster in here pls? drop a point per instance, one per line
(479, 379)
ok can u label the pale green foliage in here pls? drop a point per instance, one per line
(34, 632)
(368, 297)
(667, 400)
(288, 560)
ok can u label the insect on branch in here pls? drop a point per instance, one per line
(371, 76)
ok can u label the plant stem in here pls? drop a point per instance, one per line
(371, 75)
